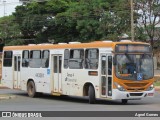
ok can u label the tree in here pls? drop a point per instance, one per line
(96, 19)
(149, 17)
(74, 20)
(37, 18)
(9, 30)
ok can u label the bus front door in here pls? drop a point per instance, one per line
(57, 73)
(106, 75)
(16, 80)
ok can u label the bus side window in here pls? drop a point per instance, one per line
(66, 58)
(109, 65)
(91, 58)
(25, 58)
(35, 59)
(7, 61)
(45, 58)
(76, 59)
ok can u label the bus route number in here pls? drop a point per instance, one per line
(40, 75)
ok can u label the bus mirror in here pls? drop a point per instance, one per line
(114, 60)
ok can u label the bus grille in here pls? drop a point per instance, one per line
(136, 94)
(135, 84)
(136, 89)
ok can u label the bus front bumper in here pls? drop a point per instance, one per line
(131, 95)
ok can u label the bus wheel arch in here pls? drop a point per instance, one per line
(31, 89)
(88, 90)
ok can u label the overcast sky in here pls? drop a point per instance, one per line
(6, 8)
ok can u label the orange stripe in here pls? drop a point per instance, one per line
(63, 46)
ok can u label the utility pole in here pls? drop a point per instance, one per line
(5, 29)
(4, 3)
(132, 21)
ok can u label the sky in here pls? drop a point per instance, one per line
(6, 8)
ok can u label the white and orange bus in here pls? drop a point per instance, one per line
(101, 69)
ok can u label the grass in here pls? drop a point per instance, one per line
(157, 81)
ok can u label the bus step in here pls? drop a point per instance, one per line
(56, 94)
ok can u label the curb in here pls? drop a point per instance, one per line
(3, 87)
(6, 97)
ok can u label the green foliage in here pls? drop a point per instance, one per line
(95, 19)
(15, 42)
(74, 20)
(148, 19)
(79, 20)
(37, 21)
(157, 83)
(8, 28)
(140, 34)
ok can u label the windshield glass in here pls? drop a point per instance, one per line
(134, 67)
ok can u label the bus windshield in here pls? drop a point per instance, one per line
(134, 67)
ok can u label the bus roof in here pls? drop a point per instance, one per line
(95, 44)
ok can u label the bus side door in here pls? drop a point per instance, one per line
(57, 73)
(17, 63)
(106, 75)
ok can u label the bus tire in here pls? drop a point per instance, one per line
(31, 89)
(91, 94)
(124, 101)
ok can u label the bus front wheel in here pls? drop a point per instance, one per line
(91, 94)
(31, 89)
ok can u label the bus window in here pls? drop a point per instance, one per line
(45, 58)
(130, 65)
(17, 61)
(66, 58)
(60, 64)
(55, 64)
(25, 58)
(7, 61)
(103, 85)
(109, 65)
(35, 59)
(76, 59)
(103, 65)
(91, 58)
(109, 86)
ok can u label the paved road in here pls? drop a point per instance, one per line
(51, 103)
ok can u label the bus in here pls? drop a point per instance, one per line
(99, 70)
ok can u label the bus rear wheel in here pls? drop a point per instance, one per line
(91, 94)
(31, 89)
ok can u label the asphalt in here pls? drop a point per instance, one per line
(10, 96)
(5, 96)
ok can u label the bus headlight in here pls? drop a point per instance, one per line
(150, 87)
(119, 87)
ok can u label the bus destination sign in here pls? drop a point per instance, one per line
(133, 48)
